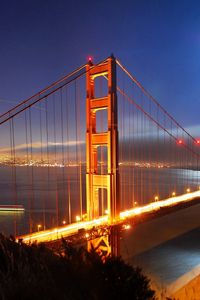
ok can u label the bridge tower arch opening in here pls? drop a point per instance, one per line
(95, 139)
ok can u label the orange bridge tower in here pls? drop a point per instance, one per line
(108, 139)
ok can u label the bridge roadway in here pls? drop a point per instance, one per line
(168, 251)
(72, 229)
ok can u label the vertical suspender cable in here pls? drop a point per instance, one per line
(62, 143)
(79, 147)
(68, 160)
(76, 147)
(48, 161)
(28, 174)
(55, 159)
(31, 166)
(41, 159)
(13, 158)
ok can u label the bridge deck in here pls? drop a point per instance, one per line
(167, 249)
(71, 229)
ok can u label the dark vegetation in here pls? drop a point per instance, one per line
(36, 272)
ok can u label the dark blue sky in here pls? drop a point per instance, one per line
(157, 40)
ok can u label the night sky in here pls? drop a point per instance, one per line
(157, 40)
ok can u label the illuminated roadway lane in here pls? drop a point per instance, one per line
(168, 251)
(71, 229)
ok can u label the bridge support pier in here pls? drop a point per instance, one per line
(107, 244)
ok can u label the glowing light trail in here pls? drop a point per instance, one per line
(69, 230)
(11, 208)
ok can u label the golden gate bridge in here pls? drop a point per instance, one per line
(92, 149)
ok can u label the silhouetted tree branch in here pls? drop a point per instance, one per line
(36, 272)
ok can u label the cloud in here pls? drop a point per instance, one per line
(194, 130)
(38, 145)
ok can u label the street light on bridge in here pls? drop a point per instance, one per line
(156, 198)
(78, 218)
(39, 226)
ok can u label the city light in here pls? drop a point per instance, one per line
(39, 226)
(64, 222)
(156, 198)
(188, 190)
(173, 194)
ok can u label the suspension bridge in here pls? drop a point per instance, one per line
(92, 149)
